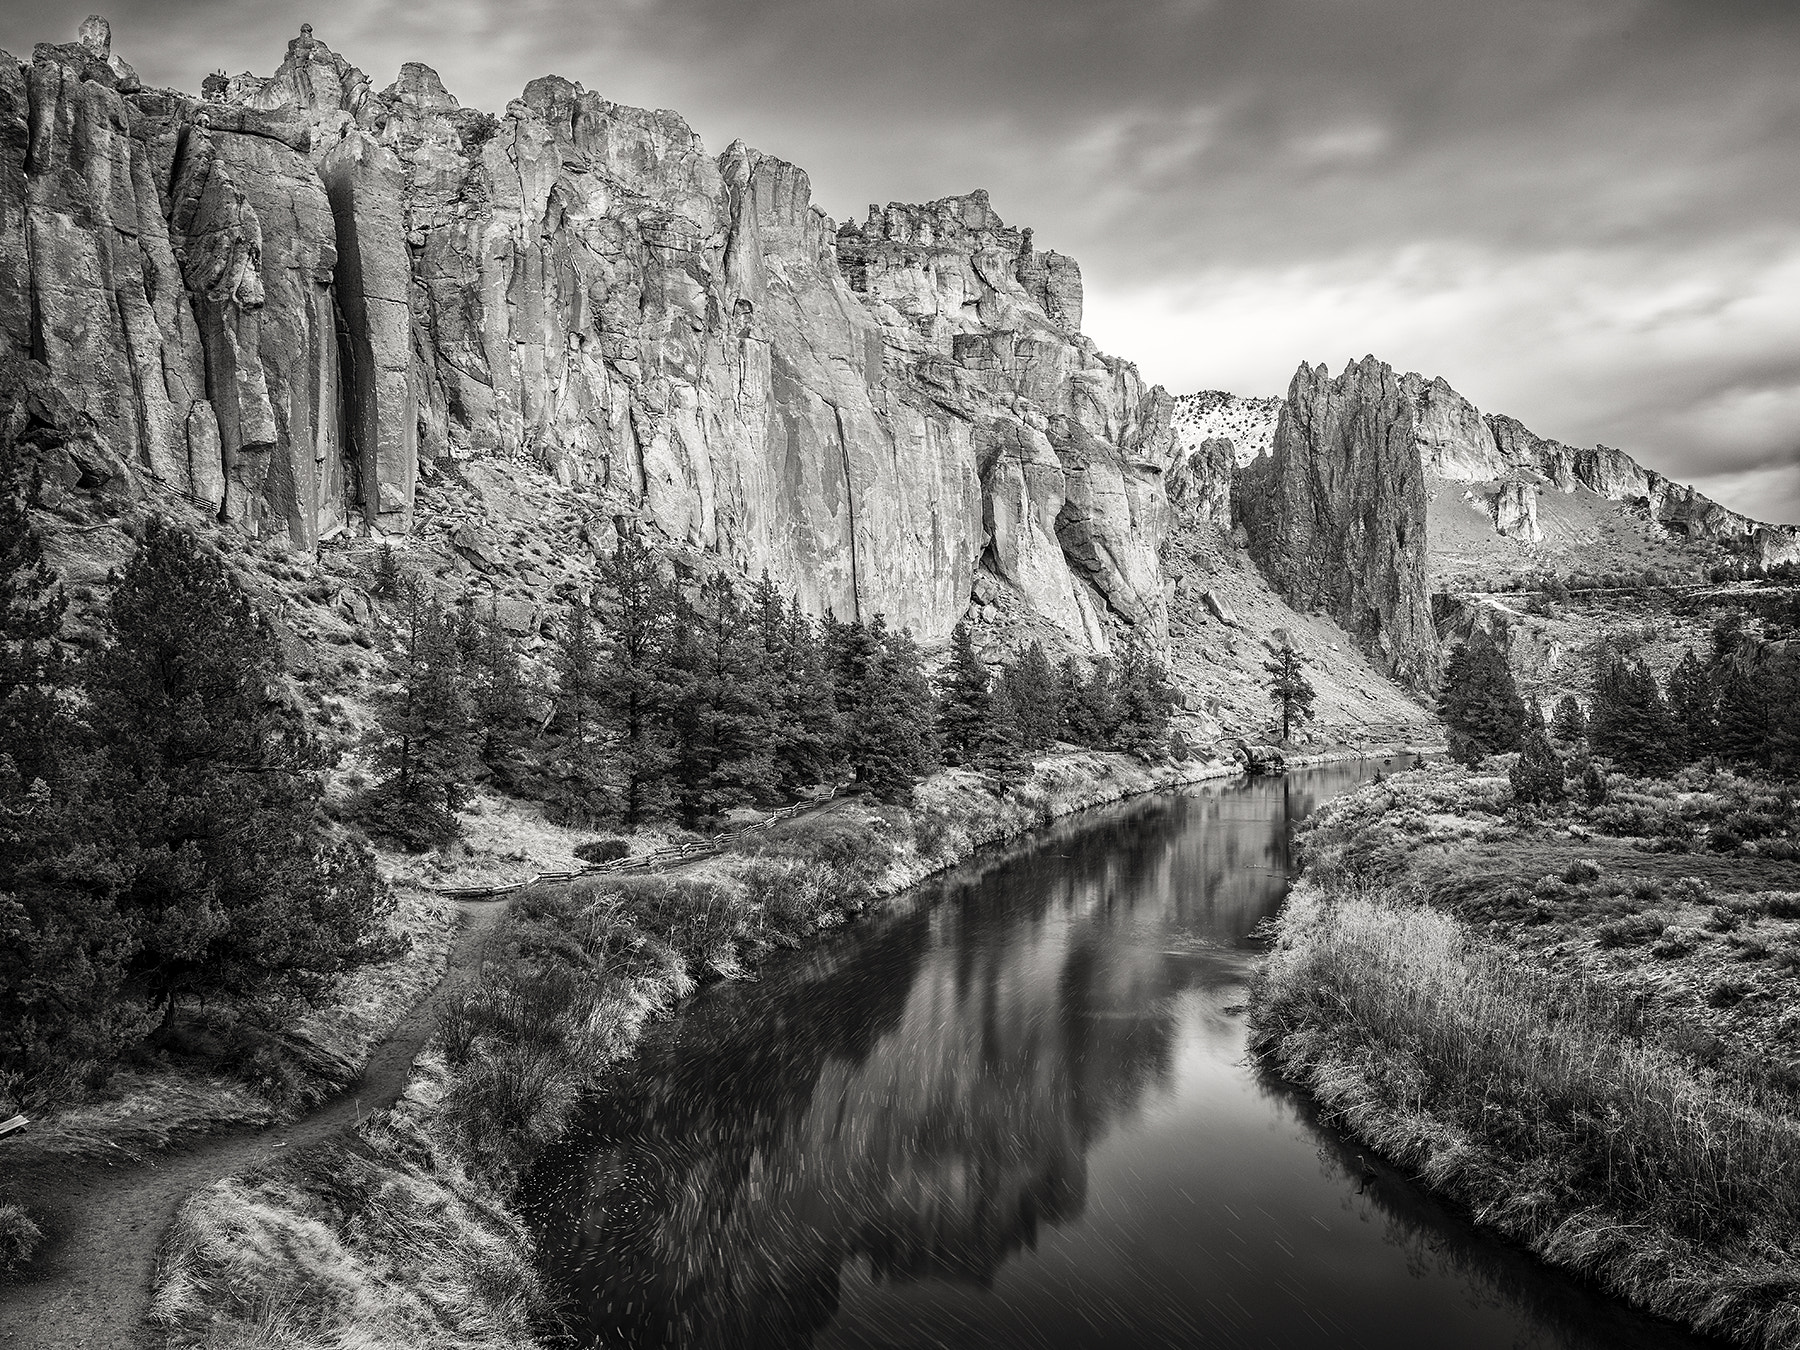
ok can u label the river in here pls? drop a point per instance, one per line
(1016, 1111)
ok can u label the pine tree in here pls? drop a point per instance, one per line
(497, 699)
(582, 794)
(1033, 698)
(636, 608)
(1693, 710)
(892, 722)
(1091, 708)
(63, 944)
(387, 579)
(1569, 725)
(1742, 713)
(725, 716)
(809, 744)
(1480, 702)
(426, 748)
(1146, 701)
(206, 792)
(965, 700)
(1289, 690)
(1537, 775)
(1631, 721)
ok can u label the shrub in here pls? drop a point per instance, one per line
(1690, 891)
(607, 849)
(1647, 889)
(19, 1238)
(1581, 873)
(1730, 992)
(1723, 840)
(1723, 919)
(1677, 942)
(1632, 930)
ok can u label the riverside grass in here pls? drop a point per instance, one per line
(1543, 1104)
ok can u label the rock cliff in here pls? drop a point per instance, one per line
(289, 300)
(1335, 512)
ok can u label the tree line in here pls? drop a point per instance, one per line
(1732, 705)
(663, 705)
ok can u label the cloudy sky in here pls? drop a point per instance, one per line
(1585, 213)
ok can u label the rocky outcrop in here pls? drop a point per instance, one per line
(290, 298)
(1514, 506)
(1616, 476)
(1335, 513)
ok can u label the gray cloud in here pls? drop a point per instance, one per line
(1583, 212)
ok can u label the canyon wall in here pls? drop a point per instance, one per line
(288, 299)
(1335, 513)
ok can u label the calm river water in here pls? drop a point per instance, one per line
(1017, 1112)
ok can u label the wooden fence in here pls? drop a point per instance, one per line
(662, 857)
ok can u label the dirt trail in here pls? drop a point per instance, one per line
(92, 1289)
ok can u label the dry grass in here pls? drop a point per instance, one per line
(1542, 1102)
(19, 1238)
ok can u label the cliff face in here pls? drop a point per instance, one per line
(1336, 512)
(288, 300)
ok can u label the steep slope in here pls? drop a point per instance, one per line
(313, 315)
(289, 301)
(1470, 501)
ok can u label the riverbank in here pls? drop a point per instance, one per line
(1576, 1026)
(410, 1229)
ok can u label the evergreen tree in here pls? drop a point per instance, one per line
(809, 740)
(63, 944)
(1070, 683)
(386, 582)
(1480, 702)
(1631, 721)
(1693, 710)
(426, 748)
(1289, 690)
(1033, 700)
(1742, 712)
(1537, 775)
(965, 701)
(636, 607)
(582, 794)
(725, 717)
(1146, 701)
(892, 722)
(1091, 708)
(204, 823)
(1569, 724)
(497, 699)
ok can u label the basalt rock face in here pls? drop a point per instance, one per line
(1335, 513)
(291, 298)
(1615, 475)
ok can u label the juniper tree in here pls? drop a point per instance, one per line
(1291, 693)
(206, 833)
(808, 744)
(892, 715)
(725, 716)
(497, 698)
(1630, 721)
(1569, 723)
(1537, 775)
(63, 944)
(1742, 712)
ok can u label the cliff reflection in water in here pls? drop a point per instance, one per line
(918, 1096)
